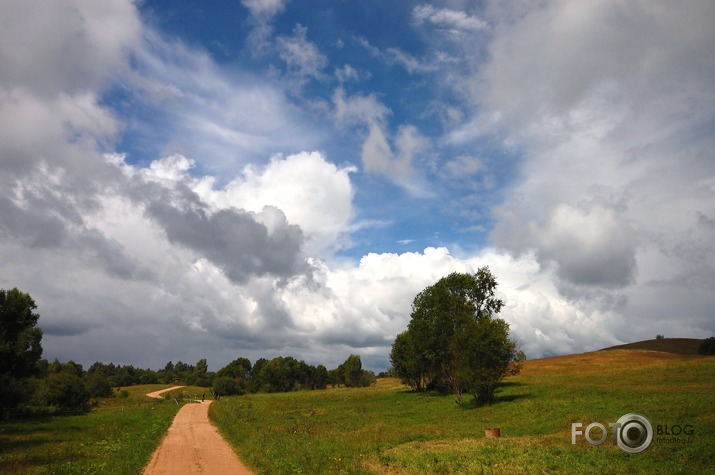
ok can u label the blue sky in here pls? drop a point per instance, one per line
(272, 177)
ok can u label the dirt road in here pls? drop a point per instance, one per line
(193, 445)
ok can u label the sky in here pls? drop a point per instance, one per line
(183, 180)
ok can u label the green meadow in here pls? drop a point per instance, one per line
(389, 429)
(116, 437)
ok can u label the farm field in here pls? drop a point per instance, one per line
(388, 429)
(117, 437)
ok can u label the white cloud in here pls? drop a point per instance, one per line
(377, 154)
(358, 109)
(312, 192)
(610, 210)
(301, 56)
(453, 21)
(608, 103)
(264, 8)
(228, 118)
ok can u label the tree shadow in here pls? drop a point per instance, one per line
(498, 398)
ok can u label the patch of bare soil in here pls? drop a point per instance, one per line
(193, 445)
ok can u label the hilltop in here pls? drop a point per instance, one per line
(680, 346)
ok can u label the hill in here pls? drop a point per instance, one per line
(680, 346)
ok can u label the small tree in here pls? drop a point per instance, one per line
(404, 360)
(453, 341)
(352, 371)
(63, 390)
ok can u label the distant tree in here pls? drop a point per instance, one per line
(224, 385)
(201, 368)
(255, 378)
(320, 377)
(63, 390)
(239, 371)
(406, 362)
(367, 378)
(707, 347)
(352, 371)
(198, 376)
(97, 385)
(335, 377)
(20, 347)
(148, 377)
(453, 342)
(659, 337)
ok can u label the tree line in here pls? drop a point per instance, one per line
(29, 382)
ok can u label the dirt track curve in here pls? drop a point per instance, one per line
(193, 445)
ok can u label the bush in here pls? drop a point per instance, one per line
(707, 347)
(98, 386)
(63, 390)
(225, 386)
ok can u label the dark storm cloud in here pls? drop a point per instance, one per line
(233, 239)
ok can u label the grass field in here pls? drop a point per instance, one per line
(118, 437)
(388, 429)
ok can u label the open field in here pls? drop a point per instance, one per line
(117, 437)
(388, 429)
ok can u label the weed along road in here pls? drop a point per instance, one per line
(193, 445)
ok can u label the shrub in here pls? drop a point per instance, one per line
(63, 390)
(225, 386)
(98, 386)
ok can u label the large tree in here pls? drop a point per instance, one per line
(20, 348)
(453, 341)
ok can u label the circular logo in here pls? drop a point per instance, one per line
(634, 434)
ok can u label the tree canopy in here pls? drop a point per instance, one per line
(454, 342)
(20, 346)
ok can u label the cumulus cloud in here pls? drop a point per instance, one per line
(377, 154)
(229, 248)
(607, 102)
(312, 192)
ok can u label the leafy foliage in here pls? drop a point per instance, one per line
(20, 346)
(453, 342)
(63, 390)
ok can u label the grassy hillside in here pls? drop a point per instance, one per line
(681, 346)
(388, 429)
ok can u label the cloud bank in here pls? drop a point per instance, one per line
(224, 229)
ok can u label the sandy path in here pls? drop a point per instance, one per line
(157, 394)
(193, 445)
